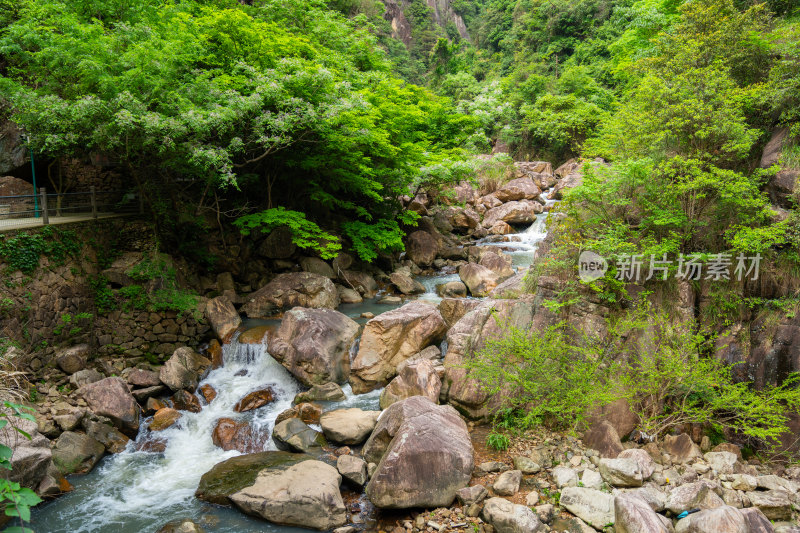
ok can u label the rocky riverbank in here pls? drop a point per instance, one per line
(265, 409)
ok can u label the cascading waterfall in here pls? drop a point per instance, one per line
(138, 491)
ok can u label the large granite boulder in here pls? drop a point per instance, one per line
(232, 475)
(422, 248)
(467, 337)
(111, 398)
(424, 455)
(632, 514)
(314, 345)
(518, 189)
(497, 262)
(480, 280)
(183, 369)
(723, 519)
(348, 426)
(406, 284)
(222, 316)
(519, 212)
(417, 378)
(305, 494)
(389, 339)
(30, 457)
(293, 289)
(603, 438)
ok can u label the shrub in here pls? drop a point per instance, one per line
(15, 499)
(556, 377)
(497, 441)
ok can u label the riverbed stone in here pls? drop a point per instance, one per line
(232, 475)
(230, 434)
(621, 472)
(352, 468)
(106, 434)
(326, 392)
(480, 280)
(417, 378)
(423, 452)
(84, 377)
(406, 284)
(422, 248)
(293, 289)
(632, 514)
(515, 212)
(31, 457)
(294, 435)
(470, 495)
(592, 506)
(603, 438)
(76, 453)
(695, 495)
(73, 359)
(507, 517)
(390, 338)
(110, 398)
(305, 494)
(183, 369)
(164, 418)
(314, 345)
(723, 519)
(507, 483)
(756, 521)
(348, 426)
(518, 189)
(254, 400)
(646, 464)
(775, 504)
(681, 448)
(308, 412)
(223, 318)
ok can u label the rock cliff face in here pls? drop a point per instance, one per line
(441, 10)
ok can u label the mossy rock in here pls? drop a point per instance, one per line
(239, 472)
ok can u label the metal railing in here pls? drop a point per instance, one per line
(45, 208)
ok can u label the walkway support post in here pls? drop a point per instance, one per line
(45, 214)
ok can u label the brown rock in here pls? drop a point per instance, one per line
(143, 378)
(518, 189)
(256, 335)
(681, 448)
(424, 455)
(418, 378)
(215, 353)
(254, 400)
(314, 345)
(479, 279)
(603, 438)
(293, 289)
(230, 434)
(222, 316)
(110, 397)
(208, 393)
(164, 418)
(421, 248)
(186, 401)
(73, 359)
(520, 212)
(390, 338)
(307, 412)
(183, 369)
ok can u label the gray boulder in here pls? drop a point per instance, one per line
(417, 378)
(507, 517)
(348, 426)
(621, 472)
(352, 468)
(222, 316)
(507, 483)
(111, 398)
(183, 369)
(305, 495)
(424, 455)
(293, 289)
(314, 345)
(389, 339)
(592, 506)
(722, 519)
(632, 514)
(30, 457)
(76, 453)
(294, 435)
(73, 359)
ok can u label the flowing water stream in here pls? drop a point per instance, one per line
(139, 491)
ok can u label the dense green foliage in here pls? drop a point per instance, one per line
(24, 251)
(15, 500)
(286, 102)
(559, 377)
